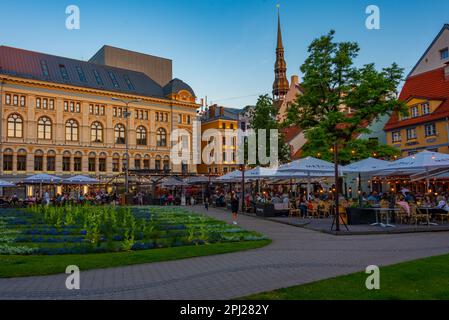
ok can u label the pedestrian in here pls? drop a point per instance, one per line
(234, 208)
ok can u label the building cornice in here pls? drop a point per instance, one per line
(39, 83)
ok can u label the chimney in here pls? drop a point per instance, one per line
(221, 111)
(212, 111)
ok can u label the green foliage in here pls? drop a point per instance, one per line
(333, 86)
(264, 116)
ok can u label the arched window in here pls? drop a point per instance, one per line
(15, 126)
(22, 160)
(71, 130)
(166, 163)
(7, 159)
(116, 162)
(44, 130)
(38, 160)
(96, 132)
(51, 160)
(119, 134)
(102, 162)
(92, 162)
(141, 133)
(161, 136)
(157, 163)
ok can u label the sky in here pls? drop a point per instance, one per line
(225, 49)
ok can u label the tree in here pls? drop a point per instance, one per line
(340, 100)
(264, 116)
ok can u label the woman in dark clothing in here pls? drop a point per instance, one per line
(234, 208)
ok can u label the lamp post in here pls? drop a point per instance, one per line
(127, 114)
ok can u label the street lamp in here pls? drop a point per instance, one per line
(127, 114)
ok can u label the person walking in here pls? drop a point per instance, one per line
(234, 208)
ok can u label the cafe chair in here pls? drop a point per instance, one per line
(443, 217)
(294, 211)
(417, 216)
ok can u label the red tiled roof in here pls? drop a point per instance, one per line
(430, 85)
(290, 133)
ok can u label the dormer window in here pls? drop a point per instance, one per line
(64, 74)
(425, 108)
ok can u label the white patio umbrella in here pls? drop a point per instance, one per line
(81, 180)
(199, 179)
(6, 184)
(231, 176)
(311, 167)
(42, 179)
(172, 182)
(424, 161)
(364, 167)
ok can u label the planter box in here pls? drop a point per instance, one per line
(268, 210)
(358, 216)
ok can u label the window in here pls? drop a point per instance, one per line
(44, 68)
(157, 116)
(137, 163)
(161, 137)
(414, 111)
(39, 161)
(102, 110)
(444, 54)
(51, 162)
(179, 118)
(223, 126)
(98, 78)
(166, 164)
(78, 107)
(66, 106)
(411, 133)
(15, 126)
(129, 83)
(166, 117)
(44, 128)
(45, 103)
(92, 163)
(21, 161)
(64, 74)
(15, 100)
(114, 111)
(22, 101)
(8, 99)
(425, 108)
(66, 161)
(119, 134)
(146, 164)
(96, 132)
(184, 168)
(77, 160)
(430, 130)
(146, 115)
(116, 164)
(102, 164)
(7, 160)
(81, 74)
(157, 164)
(113, 79)
(188, 119)
(141, 136)
(71, 130)
(51, 104)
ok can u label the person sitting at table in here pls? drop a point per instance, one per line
(442, 204)
(403, 204)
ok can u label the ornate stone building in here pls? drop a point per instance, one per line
(66, 117)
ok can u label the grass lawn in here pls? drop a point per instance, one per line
(20, 265)
(426, 279)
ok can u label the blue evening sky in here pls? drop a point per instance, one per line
(224, 49)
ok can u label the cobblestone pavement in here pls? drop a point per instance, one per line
(296, 256)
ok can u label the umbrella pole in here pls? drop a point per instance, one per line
(360, 190)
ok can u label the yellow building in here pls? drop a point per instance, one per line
(224, 154)
(66, 117)
(426, 127)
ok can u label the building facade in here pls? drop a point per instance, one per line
(426, 94)
(66, 117)
(224, 154)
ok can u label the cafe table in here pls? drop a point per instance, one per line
(378, 211)
(427, 209)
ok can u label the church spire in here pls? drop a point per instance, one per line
(280, 85)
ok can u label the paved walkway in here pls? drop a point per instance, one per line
(296, 256)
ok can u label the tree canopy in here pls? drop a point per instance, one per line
(340, 100)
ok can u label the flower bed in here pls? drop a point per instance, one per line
(89, 229)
